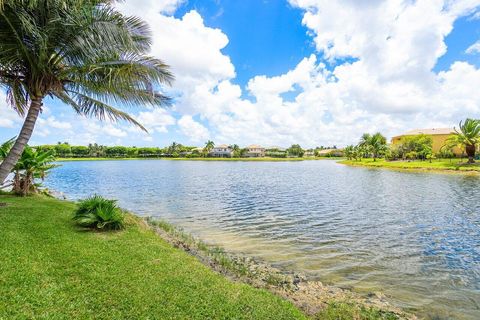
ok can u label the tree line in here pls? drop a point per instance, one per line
(174, 150)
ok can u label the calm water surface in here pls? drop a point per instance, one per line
(413, 236)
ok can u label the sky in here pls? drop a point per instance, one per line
(279, 72)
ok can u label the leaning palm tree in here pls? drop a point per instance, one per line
(81, 52)
(468, 137)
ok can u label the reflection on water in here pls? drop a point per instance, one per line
(413, 236)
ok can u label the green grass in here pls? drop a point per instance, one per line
(453, 165)
(51, 269)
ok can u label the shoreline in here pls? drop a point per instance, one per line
(263, 159)
(311, 296)
(414, 166)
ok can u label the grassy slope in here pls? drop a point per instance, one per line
(49, 269)
(435, 165)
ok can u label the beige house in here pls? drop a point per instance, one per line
(221, 151)
(255, 151)
(439, 138)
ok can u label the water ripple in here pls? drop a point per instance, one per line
(414, 236)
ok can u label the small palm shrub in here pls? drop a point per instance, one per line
(97, 212)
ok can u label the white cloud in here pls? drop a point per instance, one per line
(474, 48)
(156, 120)
(140, 8)
(193, 129)
(54, 123)
(8, 117)
(387, 85)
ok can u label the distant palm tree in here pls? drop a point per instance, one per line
(83, 53)
(236, 150)
(373, 144)
(468, 137)
(209, 145)
(378, 144)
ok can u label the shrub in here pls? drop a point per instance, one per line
(97, 212)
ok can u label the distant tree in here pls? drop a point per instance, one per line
(415, 146)
(295, 150)
(237, 152)
(116, 151)
(79, 151)
(63, 149)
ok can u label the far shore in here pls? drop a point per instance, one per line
(268, 159)
(436, 165)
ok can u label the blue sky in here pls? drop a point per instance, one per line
(313, 72)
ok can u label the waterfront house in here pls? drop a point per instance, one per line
(439, 138)
(330, 153)
(221, 151)
(309, 153)
(255, 151)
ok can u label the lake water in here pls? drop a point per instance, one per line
(413, 236)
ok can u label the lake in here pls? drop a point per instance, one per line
(413, 236)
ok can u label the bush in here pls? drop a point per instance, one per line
(97, 212)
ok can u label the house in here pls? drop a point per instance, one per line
(439, 138)
(255, 151)
(330, 153)
(309, 153)
(221, 151)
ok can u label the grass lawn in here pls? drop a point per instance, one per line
(435, 165)
(50, 269)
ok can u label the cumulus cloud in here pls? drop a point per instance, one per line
(373, 70)
(8, 117)
(156, 120)
(139, 8)
(387, 84)
(193, 129)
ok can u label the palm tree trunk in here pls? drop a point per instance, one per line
(25, 133)
(470, 150)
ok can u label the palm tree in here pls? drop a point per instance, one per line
(468, 137)
(373, 144)
(5, 148)
(364, 144)
(33, 164)
(209, 145)
(81, 52)
(378, 144)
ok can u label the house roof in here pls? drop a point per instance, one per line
(254, 146)
(432, 131)
(326, 151)
(223, 146)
